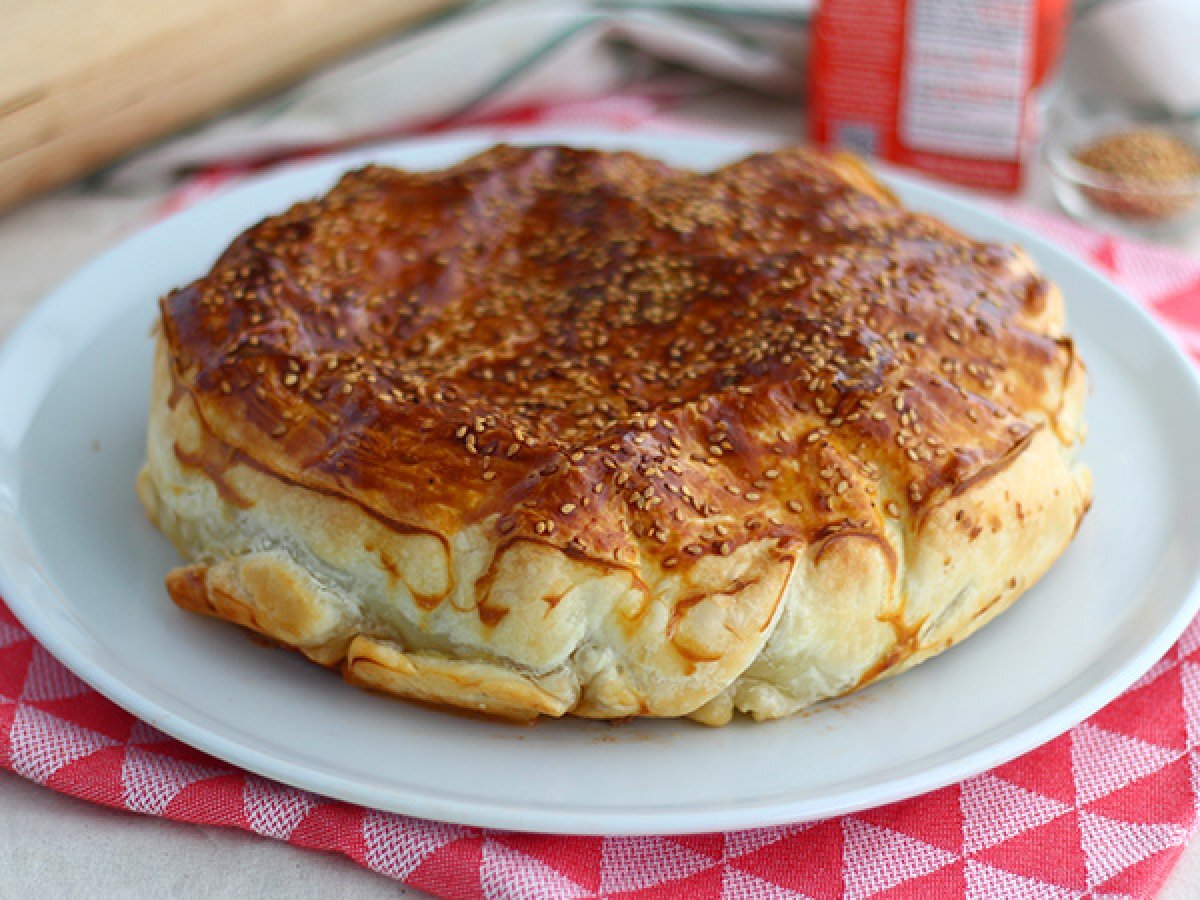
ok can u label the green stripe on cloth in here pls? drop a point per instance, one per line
(527, 62)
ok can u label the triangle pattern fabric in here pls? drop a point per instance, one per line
(705, 885)
(146, 735)
(1144, 879)
(1189, 643)
(1111, 846)
(337, 825)
(1105, 761)
(275, 809)
(738, 843)
(453, 871)
(1190, 339)
(948, 881)
(1194, 757)
(936, 818)
(711, 845)
(736, 883)
(506, 872)
(877, 858)
(92, 711)
(996, 810)
(11, 634)
(1149, 712)
(1169, 661)
(986, 882)
(578, 858)
(96, 777)
(48, 679)
(219, 800)
(1050, 853)
(1168, 791)
(41, 744)
(809, 860)
(8, 713)
(1157, 273)
(396, 845)
(1048, 770)
(630, 863)
(1182, 311)
(1189, 680)
(14, 664)
(151, 780)
(1104, 256)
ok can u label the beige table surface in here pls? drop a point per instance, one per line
(56, 846)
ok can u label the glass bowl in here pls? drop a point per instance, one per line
(1156, 208)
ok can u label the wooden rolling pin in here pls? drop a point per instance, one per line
(83, 81)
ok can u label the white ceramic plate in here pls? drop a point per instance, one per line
(81, 567)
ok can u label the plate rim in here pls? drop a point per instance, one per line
(529, 816)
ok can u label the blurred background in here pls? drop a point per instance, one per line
(997, 95)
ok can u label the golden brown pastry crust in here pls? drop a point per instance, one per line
(560, 431)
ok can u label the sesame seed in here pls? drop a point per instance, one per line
(651, 370)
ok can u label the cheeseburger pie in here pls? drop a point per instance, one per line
(558, 431)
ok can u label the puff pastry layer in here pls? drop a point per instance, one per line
(558, 431)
